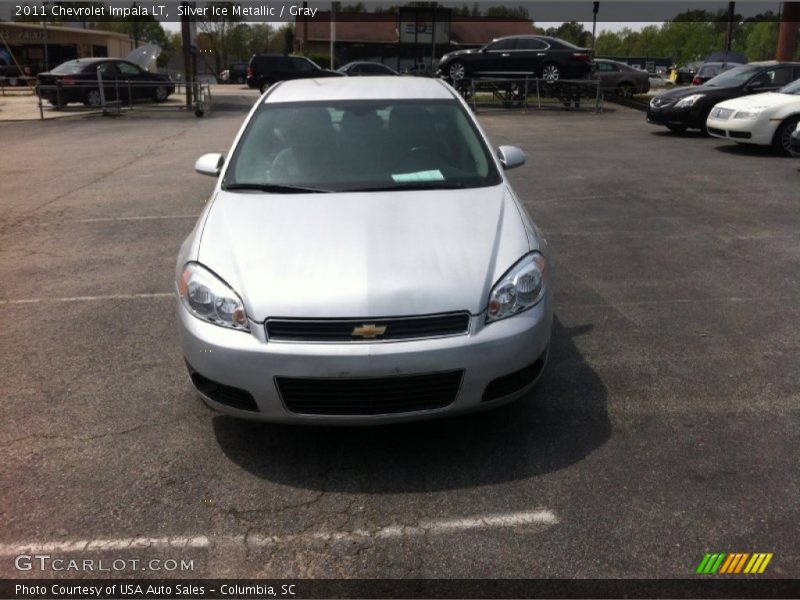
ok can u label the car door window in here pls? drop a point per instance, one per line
(107, 70)
(501, 46)
(531, 44)
(772, 78)
(128, 70)
(302, 65)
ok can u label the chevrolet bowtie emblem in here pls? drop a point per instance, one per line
(368, 330)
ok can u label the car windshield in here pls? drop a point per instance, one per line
(360, 145)
(733, 77)
(792, 88)
(69, 68)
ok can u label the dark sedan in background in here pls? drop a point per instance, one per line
(618, 78)
(366, 68)
(520, 56)
(126, 80)
(688, 108)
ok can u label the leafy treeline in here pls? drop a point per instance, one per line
(691, 36)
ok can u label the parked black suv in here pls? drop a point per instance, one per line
(266, 69)
(519, 56)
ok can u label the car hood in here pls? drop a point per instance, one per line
(145, 56)
(455, 53)
(765, 100)
(363, 254)
(679, 93)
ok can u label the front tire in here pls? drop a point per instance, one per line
(457, 71)
(782, 141)
(160, 94)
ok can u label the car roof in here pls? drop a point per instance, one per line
(359, 88)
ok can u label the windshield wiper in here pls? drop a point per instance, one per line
(274, 187)
(416, 185)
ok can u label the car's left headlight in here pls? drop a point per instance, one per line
(689, 100)
(749, 113)
(522, 287)
(210, 299)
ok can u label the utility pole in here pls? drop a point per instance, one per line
(729, 32)
(787, 34)
(595, 8)
(187, 53)
(46, 53)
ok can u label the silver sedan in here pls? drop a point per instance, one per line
(362, 259)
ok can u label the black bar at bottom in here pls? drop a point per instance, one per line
(702, 587)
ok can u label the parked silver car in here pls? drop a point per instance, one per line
(362, 259)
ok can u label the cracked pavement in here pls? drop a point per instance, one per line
(666, 424)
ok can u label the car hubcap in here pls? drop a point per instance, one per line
(550, 73)
(457, 71)
(786, 139)
(94, 98)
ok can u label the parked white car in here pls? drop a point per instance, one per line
(762, 119)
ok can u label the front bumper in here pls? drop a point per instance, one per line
(746, 131)
(249, 362)
(691, 117)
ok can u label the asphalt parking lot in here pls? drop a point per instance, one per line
(666, 425)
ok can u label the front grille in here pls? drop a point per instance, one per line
(742, 135)
(369, 395)
(716, 131)
(721, 113)
(342, 330)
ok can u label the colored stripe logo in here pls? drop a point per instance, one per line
(734, 563)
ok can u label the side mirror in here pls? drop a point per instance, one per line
(511, 157)
(754, 85)
(210, 164)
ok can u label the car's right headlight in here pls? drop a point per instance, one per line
(522, 287)
(210, 299)
(749, 113)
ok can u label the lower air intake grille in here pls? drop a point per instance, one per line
(224, 394)
(513, 382)
(716, 131)
(369, 395)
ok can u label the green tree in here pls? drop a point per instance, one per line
(517, 12)
(762, 41)
(219, 33)
(571, 31)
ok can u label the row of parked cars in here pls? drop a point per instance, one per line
(265, 69)
(530, 56)
(757, 103)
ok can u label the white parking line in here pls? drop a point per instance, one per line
(442, 526)
(88, 298)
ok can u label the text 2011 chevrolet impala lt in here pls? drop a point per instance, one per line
(363, 259)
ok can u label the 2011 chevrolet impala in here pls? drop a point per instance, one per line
(362, 259)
